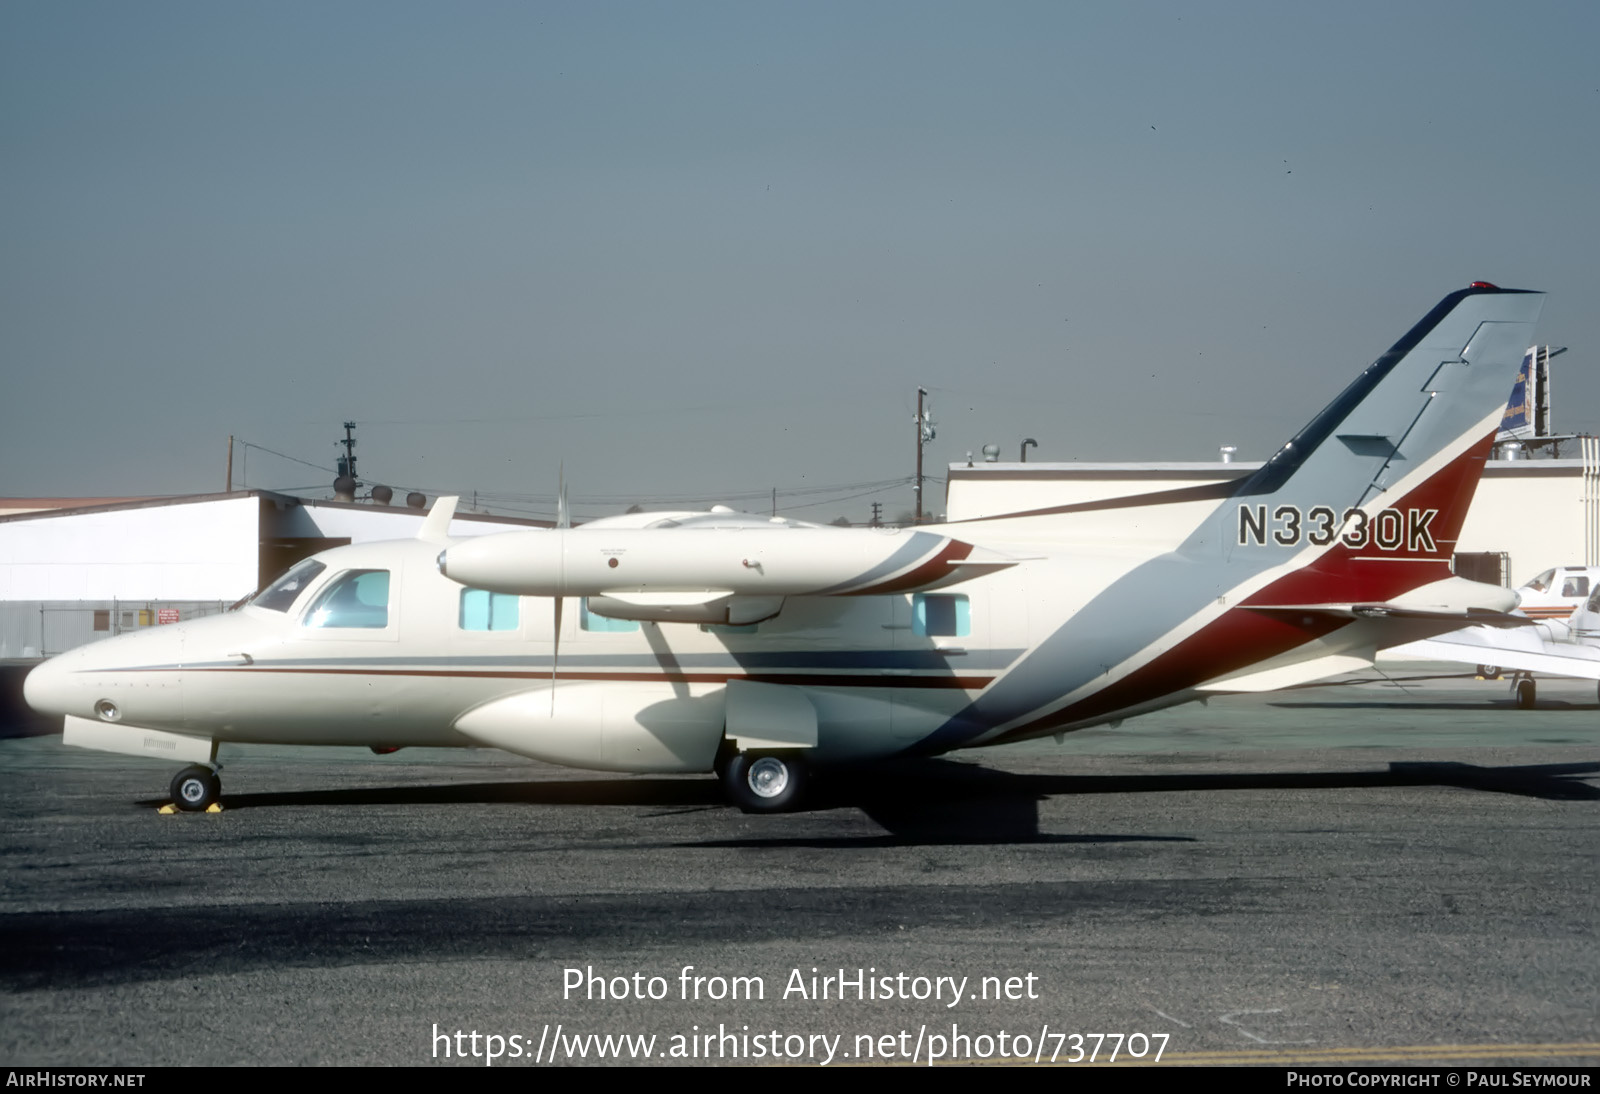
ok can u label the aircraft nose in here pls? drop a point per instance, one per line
(48, 688)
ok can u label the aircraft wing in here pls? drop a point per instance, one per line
(1526, 650)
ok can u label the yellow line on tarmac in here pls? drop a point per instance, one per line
(1306, 1057)
(1398, 1054)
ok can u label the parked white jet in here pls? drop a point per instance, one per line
(1561, 636)
(759, 648)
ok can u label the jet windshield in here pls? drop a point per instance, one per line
(282, 593)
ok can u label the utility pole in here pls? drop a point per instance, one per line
(877, 513)
(924, 435)
(347, 465)
(230, 463)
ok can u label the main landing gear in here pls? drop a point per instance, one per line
(196, 788)
(763, 782)
(1526, 692)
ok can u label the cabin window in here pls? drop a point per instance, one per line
(482, 610)
(359, 598)
(940, 615)
(282, 593)
(1575, 586)
(589, 621)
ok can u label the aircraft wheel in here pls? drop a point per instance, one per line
(195, 789)
(1526, 694)
(1489, 672)
(764, 782)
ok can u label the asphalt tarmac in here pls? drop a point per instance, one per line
(1344, 875)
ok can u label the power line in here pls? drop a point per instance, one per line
(286, 456)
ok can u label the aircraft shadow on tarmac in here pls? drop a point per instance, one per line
(942, 801)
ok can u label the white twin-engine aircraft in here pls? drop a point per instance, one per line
(1560, 635)
(760, 649)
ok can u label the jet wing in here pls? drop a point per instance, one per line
(1526, 650)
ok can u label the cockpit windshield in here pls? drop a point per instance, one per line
(1542, 582)
(282, 593)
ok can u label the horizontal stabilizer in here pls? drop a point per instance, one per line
(1391, 610)
(1288, 675)
(1453, 600)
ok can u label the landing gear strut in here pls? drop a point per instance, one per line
(196, 788)
(764, 782)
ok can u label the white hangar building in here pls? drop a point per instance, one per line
(1527, 515)
(72, 572)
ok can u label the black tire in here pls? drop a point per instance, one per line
(1489, 672)
(764, 782)
(195, 789)
(1527, 694)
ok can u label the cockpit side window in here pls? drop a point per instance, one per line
(358, 598)
(1542, 582)
(282, 593)
(1594, 600)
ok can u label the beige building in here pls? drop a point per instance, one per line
(1534, 514)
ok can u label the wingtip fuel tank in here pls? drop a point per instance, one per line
(768, 560)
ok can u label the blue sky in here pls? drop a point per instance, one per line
(702, 250)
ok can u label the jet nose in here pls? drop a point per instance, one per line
(48, 689)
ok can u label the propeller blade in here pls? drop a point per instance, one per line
(555, 653)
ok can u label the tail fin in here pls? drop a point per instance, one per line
(1379, 482)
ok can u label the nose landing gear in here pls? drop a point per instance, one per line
(196, 789)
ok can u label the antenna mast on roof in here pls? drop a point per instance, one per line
(924, 435)
(347, 462)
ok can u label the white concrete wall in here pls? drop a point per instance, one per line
(1533, 511)
(186, 551)
(990, 489)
